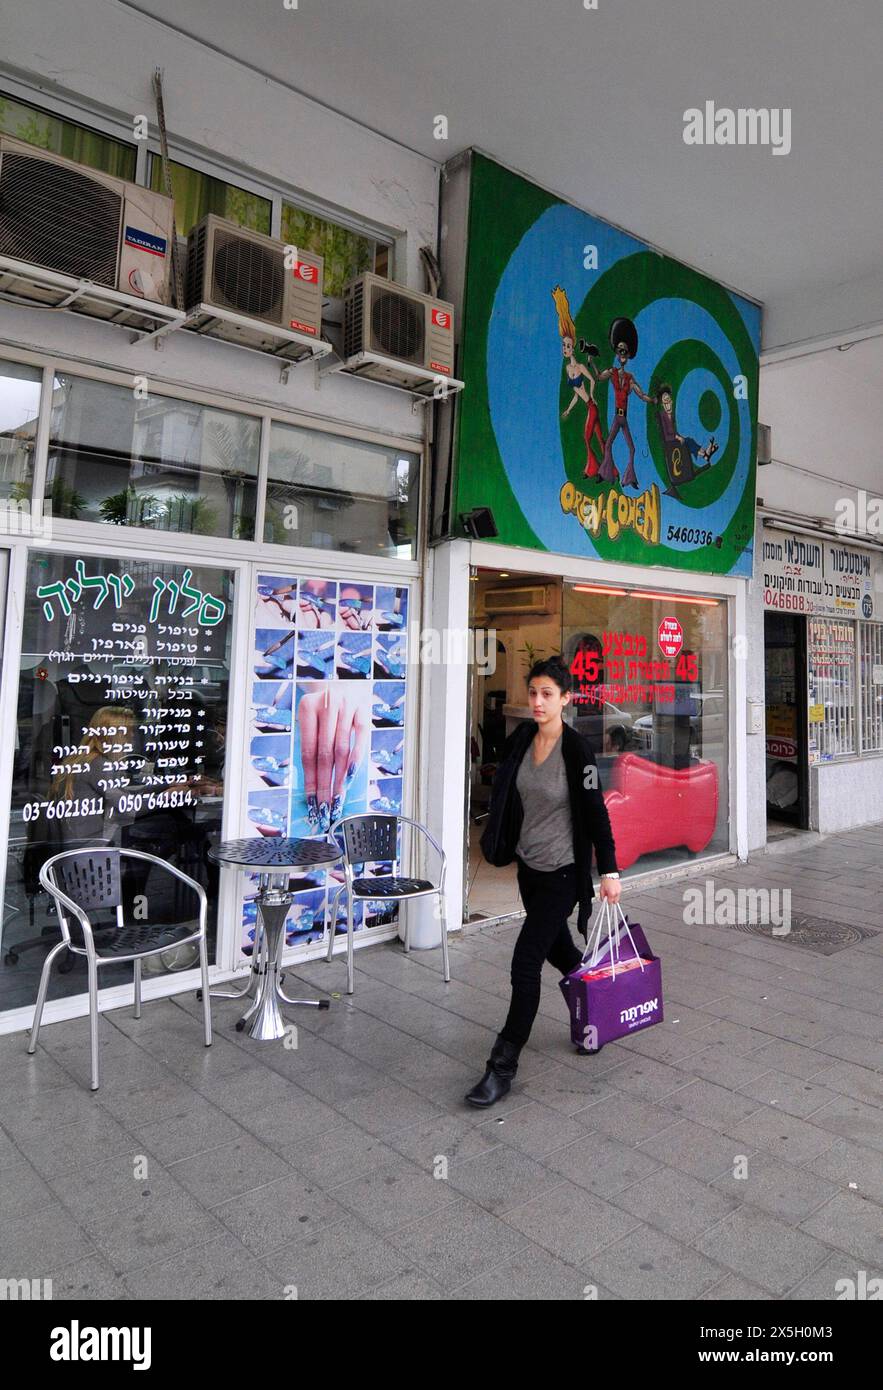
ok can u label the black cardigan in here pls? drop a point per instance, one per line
(588, 812)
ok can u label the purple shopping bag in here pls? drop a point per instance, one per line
(617, 989)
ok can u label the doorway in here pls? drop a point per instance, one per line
(787, 763)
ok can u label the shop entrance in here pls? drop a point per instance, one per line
(650, 691)
(787, 799)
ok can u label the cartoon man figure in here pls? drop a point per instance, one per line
(680, 450)
(624, 341)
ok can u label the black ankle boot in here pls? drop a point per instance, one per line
(501, 1068)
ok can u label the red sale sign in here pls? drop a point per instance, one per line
(671, 636)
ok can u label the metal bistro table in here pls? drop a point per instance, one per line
(274, 860)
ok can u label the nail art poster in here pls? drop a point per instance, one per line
(315, 751)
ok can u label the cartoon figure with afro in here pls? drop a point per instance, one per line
(624, 341)
(581, 379)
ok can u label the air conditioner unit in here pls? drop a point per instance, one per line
(64, 217)
(514, 602)
(243, 273)
(399, 324)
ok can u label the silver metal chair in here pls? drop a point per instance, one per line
(375, 838)
(87, 880)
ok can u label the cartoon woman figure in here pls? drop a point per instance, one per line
(581, 381)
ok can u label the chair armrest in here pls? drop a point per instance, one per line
(74, 908)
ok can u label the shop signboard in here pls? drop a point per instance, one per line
(327, 735)
(122, 710)
(610, 409)
(820, 577)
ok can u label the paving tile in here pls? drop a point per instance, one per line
(501, 1178)
(648, 1264)
(531, 1274)
(601, 1165)
(571, 1223)
(791, 1058)
(43, 1240)
(762, 1249)
(628, 1119)
(199, 1127)
(394, 1193)
(567, 1089)
(845, 1163)
(783, 1190)
(859, 1082)
(338, 1155)
(851, 1222)
(457, 1243)
(648, 1079)
(284, 1125)
(534, 1129)
(850, 1119)
(792, 1094)
(412, 1285)
(733, 1289)
(132, 1179)
(849, 1048)
(391, 1108)
(134, 1237)
(90, 1277)
(675, 1203)
(457, 1137)
(218, 1269)
(22, 1189)
(840, 1278)
(695, 1149)
(796, 1141)
(720, 1064)
(343, 1261)
(80, 1144)
(224, 1172)
(279, 1212)
(708, 1103)
(147, 1102)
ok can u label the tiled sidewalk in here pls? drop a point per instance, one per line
(317, 1167)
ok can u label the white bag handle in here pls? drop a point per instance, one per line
(606, 916)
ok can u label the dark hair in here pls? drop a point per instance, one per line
(556, 669)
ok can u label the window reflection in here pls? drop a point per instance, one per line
(167, 464)
(335, 493)
(19, 408)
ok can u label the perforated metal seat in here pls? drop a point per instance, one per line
(375, 839)
(85, 881)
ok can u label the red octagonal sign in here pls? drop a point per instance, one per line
(671, 636)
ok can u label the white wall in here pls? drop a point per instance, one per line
(826, 416)
(98, 51)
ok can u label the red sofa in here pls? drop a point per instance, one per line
(653, 807)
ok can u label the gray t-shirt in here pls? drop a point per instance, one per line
(546, 839)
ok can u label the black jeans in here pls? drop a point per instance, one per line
(549, 899)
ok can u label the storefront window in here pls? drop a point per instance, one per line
(871, 636)
(831, 696)
(122, 715)
(170, 465)
(345, 253)
(48, 132)
(19, 407)
(341, 494)
(197, 194)
(651, 693)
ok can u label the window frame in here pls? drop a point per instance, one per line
(145, 538)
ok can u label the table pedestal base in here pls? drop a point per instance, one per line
(263, 1019)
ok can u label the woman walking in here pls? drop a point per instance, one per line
(547, 812)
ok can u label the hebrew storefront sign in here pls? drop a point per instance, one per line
(820, 577)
